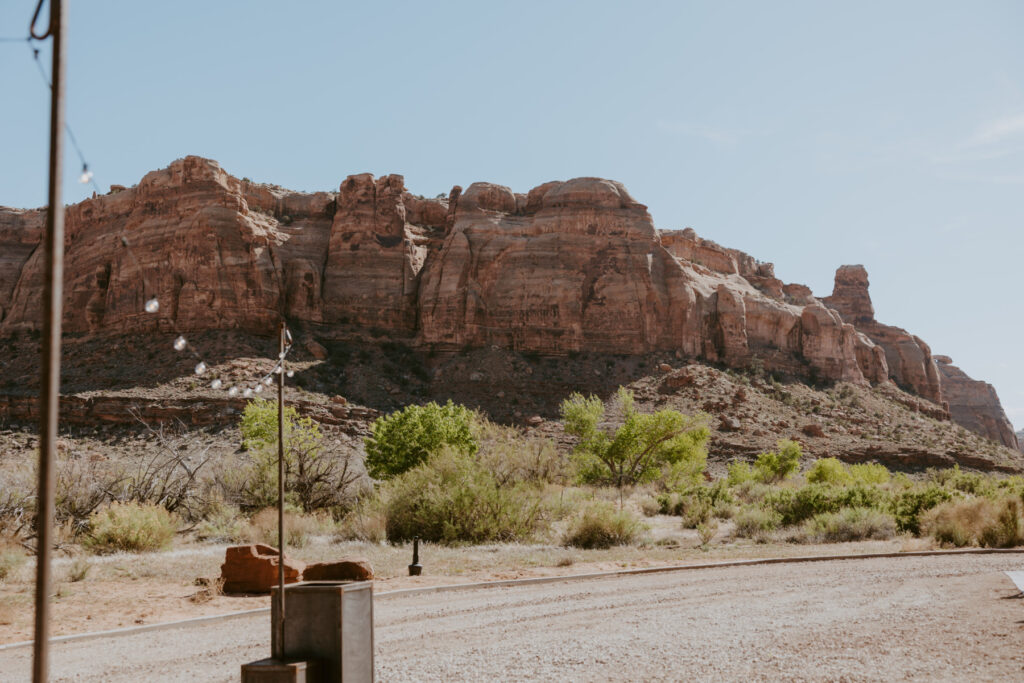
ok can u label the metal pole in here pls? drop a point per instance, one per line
(49, 381)
(280, 499)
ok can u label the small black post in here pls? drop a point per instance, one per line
(415, 569)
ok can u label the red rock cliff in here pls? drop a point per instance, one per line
(570, 266)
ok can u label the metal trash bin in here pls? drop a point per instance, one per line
(329, 621)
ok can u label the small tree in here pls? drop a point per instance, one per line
(400, 441)
(315, 477)
(642, 448)
(779, 464)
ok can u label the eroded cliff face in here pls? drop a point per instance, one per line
(574, 266)
(974, 404)
(971, 403)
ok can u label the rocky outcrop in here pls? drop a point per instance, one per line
(908, 358)
(355, 569)
(974, 404)
(971, 403)
(574, 266)
(1020, 439)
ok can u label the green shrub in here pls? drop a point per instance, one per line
(779, 464)
(850, 524)
(402, 440)
(909, 504)
(756, 523)
(740, 472)
(129, 527)
(451, 498)
(828, 471)
(600, 525)
(955, 479)
(797, 505)
(869, 473)
(695, 504)
(644, 447)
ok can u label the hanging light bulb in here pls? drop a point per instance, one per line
(153, 305)
(247, 393)
(291, 373)
(282, 354)
(180, 343)
(277, 370)
(216, 384)
(268, 380)
(233, 391)
(200, 368)
(86, 174)
(258, 388)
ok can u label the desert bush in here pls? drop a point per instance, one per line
(779, 464)
(78, 570)
(869, 473)
(451, 498)
(513, 458)
(756, 523)
(797, 505)
(850, 524)
(955, 479)
(740, 473)
(601, 525)
(650, 506)
(223, 524)
(298, 527)
(10, 560)
(975, 521)
(317, 475)
(695, 504)
(17, 504)
(367, 521)
(828, 471)
(129, 527)
(908, 505)
(404, 439)
(644, 447)
(706, 532)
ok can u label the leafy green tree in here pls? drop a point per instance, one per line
(400, 441)
(643, 447)
(779, 464)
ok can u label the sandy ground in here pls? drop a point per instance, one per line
(910, 618)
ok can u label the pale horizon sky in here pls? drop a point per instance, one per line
(807, 134)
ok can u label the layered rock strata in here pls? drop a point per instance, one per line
(971, 403)
(575, 266)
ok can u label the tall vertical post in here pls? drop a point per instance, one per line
(49, 380)
(280, 497)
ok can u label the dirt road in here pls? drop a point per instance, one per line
(946, 618)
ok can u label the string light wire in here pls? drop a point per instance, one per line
(152, 302)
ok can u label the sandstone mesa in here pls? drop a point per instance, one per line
(574, 266)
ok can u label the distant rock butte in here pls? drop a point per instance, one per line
(567, 267)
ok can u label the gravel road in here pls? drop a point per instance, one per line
(934, 618)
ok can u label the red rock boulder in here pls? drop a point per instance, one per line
(253, 569)
(355, 569)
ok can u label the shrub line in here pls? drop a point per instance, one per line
(404, 592)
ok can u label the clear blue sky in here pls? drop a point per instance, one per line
(809, 134)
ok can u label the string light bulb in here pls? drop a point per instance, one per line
(247, 393)
(291, 373)
(180, 343)
(233, 391)
(268, 380)
(200, 368)
(258, 388)
(216, 384)
(153, 305)
(86, 175)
